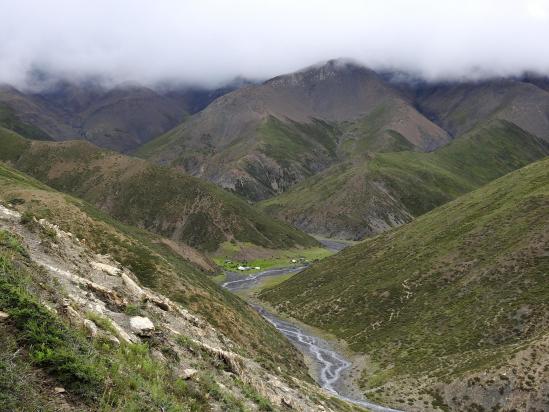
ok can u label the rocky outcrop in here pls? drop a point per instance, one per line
(141, 326)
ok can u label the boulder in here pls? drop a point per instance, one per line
(3, 316)
(132, 287)
(91, 328)
(141, 325)
(187, 374)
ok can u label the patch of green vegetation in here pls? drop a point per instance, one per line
(369, 133)
(20, 387)
(11, 241)
(12, 145)
(133, 310)
(52, 346)
(294, 142)
(454, 291)
(102, 323)
(227, 258)
(250, 393)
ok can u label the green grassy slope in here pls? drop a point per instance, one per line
(149, 196)
(452, 292)
(373, 194)
(156, 265)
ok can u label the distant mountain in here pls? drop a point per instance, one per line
(261, 139)
(450, 309)
(120, 118)
(159, 199)
(459, 107)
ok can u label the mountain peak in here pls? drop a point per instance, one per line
(325, 71)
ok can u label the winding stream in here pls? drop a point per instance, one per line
(330, 363)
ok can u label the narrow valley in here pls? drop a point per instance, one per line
(327, 364)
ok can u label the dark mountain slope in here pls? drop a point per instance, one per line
(156, 198)
(120, 118)
(459, 107)
(380, 191)
(11, 121)
(453, 304)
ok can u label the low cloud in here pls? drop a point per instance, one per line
(211, 42)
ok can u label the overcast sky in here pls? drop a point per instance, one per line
(209, 42)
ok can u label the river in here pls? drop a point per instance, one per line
(330, 363)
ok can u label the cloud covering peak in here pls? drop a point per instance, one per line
(209, 42)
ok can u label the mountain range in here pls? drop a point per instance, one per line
(333, 149)
(120, 117)
(303, 143)
(165, 201)
(120, 205)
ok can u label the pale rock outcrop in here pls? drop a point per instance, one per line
(141, 325)
(111, 270)
(91, 328)
(188, 373)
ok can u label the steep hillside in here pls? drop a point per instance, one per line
(261, 139)
(95, 315)
(372, 194)
(450, 308)
(159, 199)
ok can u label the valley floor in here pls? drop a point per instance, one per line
(329, 363)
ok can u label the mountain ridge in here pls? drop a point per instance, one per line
(384, 190)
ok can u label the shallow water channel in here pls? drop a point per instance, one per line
(330, 364)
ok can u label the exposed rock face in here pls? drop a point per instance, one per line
(91, 328)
